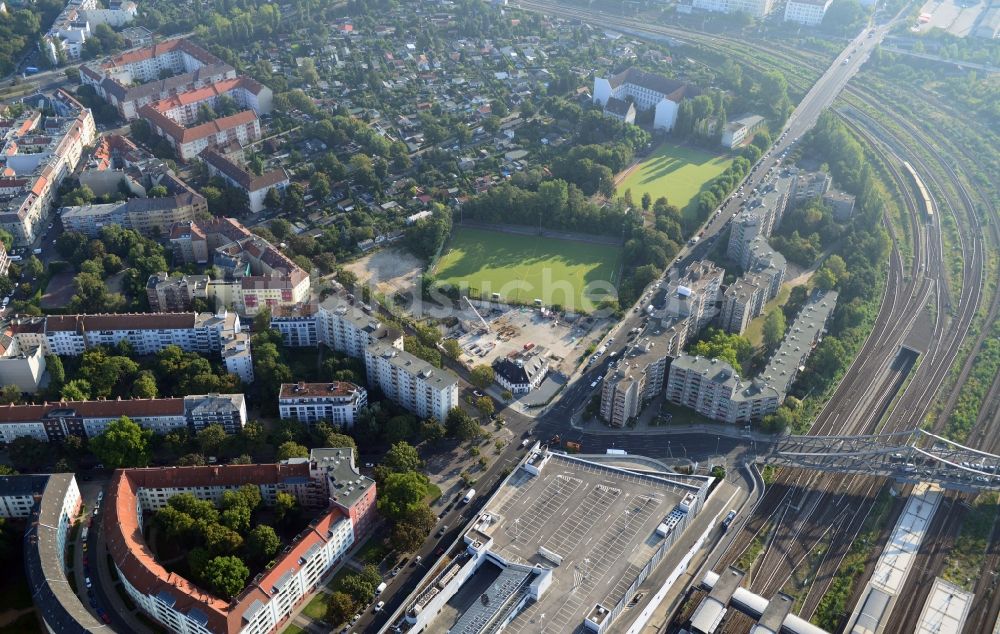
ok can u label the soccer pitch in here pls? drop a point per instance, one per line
(679, 173)
(522, 268)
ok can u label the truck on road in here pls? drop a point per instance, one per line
(471, 493)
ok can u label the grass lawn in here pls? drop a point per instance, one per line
(677, 172)
(335, 584)
(433, 493)
(523, 268)
(755, 329)
(293, 629)
(316, 608)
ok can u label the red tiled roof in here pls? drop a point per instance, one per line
(137, 562)
(214, 89)
(186, 135)
(162, 48)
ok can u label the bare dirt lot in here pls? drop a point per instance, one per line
(392, 270)
(59, 291)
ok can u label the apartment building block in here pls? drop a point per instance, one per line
(255, 187)
(147, 216)
(146, 333)
(174, 294)
(21, 365)
(741, 130)
(327, 480)
(621, 395)
(695, 295)
(297, 324)
(714, 389)
(150, 73)
(334, 402)
(746, 298)
(56, 421)
(411, 382)
(256, 274)
(755, 8)
(809, 185)
(37, 153)
(74, 25)
(806, 12)
(178, 118)
(347, 327)
(48, 505)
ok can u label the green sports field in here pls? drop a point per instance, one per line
(522, 268)
(679, 173)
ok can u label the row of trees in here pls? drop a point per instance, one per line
(20, 29)
(592, 167)
(555, 204)
(856, 271)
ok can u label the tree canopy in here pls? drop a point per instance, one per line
(122, 444)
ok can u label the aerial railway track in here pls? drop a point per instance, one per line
(824, 500)
(902, 294)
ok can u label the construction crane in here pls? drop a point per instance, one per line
(469, 302)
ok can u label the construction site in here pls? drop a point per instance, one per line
(487, 331)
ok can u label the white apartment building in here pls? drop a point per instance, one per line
(135, 78)
(72, 27)
(54, 422)
(647, 91)
(739, 130)
(746, 228)
(336, 402)
(714, 389)
(755, 8)
(621, 395)
(413, 383)
(19, 493)
(695, 294)
(806, 12)
(297, 325)
(348, 328)
(147, 333)
(256, 187)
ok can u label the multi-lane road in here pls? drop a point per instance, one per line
(575, 396)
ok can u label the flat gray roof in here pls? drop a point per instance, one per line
(437, 378)
(600, 521)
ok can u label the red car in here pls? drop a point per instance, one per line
(106, 617)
